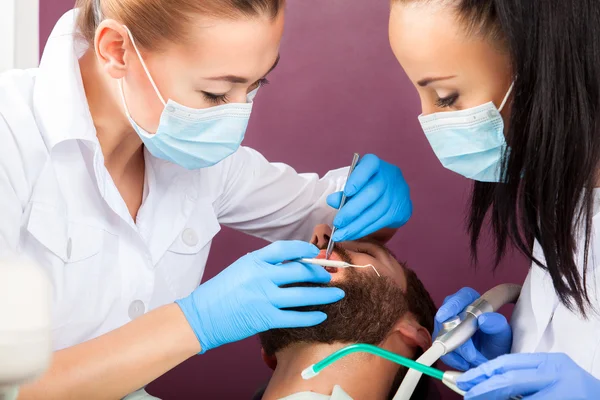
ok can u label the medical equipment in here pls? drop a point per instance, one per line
(457, 331)
(25, 339)
(192, 138)
(448, 377)
(331, 242)
(471, 141)
(335, 264)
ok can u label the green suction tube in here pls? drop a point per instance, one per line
(315, 369)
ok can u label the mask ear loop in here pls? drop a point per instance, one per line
(512, 85)
(144, 66)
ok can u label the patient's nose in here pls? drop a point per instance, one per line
(321, 236)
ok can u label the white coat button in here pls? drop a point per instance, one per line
(190, 237)
(136, 309)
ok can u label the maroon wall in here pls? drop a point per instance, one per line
(338, 90)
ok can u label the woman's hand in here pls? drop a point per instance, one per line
(493, 339)
(538, 376)
(246, 298)
(377, 197)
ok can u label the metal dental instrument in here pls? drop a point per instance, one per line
(331, 243)
(335, 264)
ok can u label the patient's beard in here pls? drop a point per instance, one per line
(367, 313)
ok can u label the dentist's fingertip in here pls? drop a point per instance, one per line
(443, 314)
(339, 236)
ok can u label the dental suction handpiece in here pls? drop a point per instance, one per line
(461, 328)
(449, 379)
(458, 330)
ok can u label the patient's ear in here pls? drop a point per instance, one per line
(412, 333)
(271, 361)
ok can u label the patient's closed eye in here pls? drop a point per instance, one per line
(364, 251)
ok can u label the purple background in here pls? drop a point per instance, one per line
(338, 90)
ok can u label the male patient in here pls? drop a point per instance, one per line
(392, 311)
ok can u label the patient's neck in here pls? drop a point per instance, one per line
(362, 376)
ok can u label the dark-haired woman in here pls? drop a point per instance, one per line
(510, 92)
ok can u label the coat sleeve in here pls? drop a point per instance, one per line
(271, 200)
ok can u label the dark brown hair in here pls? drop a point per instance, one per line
(367, 314)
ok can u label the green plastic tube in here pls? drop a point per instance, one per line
(315, 369)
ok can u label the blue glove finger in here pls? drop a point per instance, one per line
(456, 304)
(295, 272)
(360, 202)
(371, 220)
(493, 323)
(469, 352)
(511, 383)
(305, 296)
(455, 361)
(495, 333)
(367, 167)
(281, 251)
(297, 319)
(334, 200)
(501, 365)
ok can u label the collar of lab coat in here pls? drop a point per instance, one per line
(60, 104)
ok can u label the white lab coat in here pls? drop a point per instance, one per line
(541, 323)
(59, 205)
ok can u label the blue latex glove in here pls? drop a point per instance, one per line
(538, 376)
(377, 197)
(246, 298)
(493, 339)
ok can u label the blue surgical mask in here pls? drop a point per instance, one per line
(469, 142)
(193, 138)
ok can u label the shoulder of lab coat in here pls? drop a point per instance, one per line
(22, 152)
(271, 200)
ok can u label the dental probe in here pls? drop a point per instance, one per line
(331, 242)
(335, 264)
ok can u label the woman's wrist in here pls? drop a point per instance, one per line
(188, 340)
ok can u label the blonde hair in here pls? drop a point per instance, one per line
(153, 22)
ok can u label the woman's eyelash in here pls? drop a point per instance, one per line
(447, 101)
(215, 98)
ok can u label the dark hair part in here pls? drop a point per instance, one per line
(152, 22)
(553, 134)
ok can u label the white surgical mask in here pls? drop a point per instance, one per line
(469, 142)
(193, 138)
